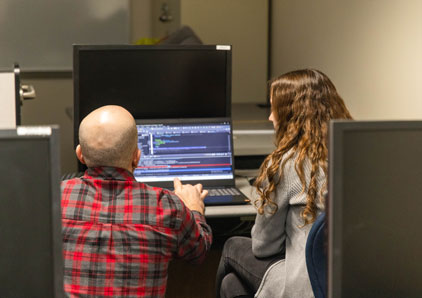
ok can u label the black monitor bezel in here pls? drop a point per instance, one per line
(337, 129)
(77, 48)
(51, 133)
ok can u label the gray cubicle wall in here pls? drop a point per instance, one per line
(31, 263)
(39, 34)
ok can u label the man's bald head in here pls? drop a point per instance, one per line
(108, 137)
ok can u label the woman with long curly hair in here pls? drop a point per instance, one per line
(291, 185)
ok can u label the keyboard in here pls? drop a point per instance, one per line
(214, 192)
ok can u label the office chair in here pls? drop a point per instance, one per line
(316, 258)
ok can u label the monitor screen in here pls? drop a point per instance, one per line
(30, 218)
(195, 150)
(151, 82)
(375, 187)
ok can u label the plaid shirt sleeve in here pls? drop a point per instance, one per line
(194, 235)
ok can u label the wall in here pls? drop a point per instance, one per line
(372, 50)
(140, 17)
(54, 101)
(243, 24)
(162, 29)
(40, 36)
(145, 18)
(54, 95)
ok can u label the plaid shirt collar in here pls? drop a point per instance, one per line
(108, 173)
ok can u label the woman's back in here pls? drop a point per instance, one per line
(288, 277)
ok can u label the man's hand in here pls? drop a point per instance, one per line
(192, 195)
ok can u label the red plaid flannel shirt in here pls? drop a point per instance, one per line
(119, 235)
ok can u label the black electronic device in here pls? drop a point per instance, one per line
(164, 81)
(31, 263)
(375, 187)
(193, 150)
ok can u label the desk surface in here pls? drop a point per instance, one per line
(242, 183)
(230, 211)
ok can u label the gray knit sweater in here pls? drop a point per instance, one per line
(283, 230)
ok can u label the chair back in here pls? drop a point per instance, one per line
(316, 258)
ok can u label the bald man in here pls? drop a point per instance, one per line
(119, 235)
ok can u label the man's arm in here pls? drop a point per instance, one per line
(192, 196)
(195, 235)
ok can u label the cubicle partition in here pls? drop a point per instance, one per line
(31, 262)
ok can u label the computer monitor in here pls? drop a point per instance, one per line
(31, 262)
(375, 209)
(151, 82)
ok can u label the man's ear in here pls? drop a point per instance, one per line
(79, 154)
(136, 158)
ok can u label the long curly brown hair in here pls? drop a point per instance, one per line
(303, 102)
